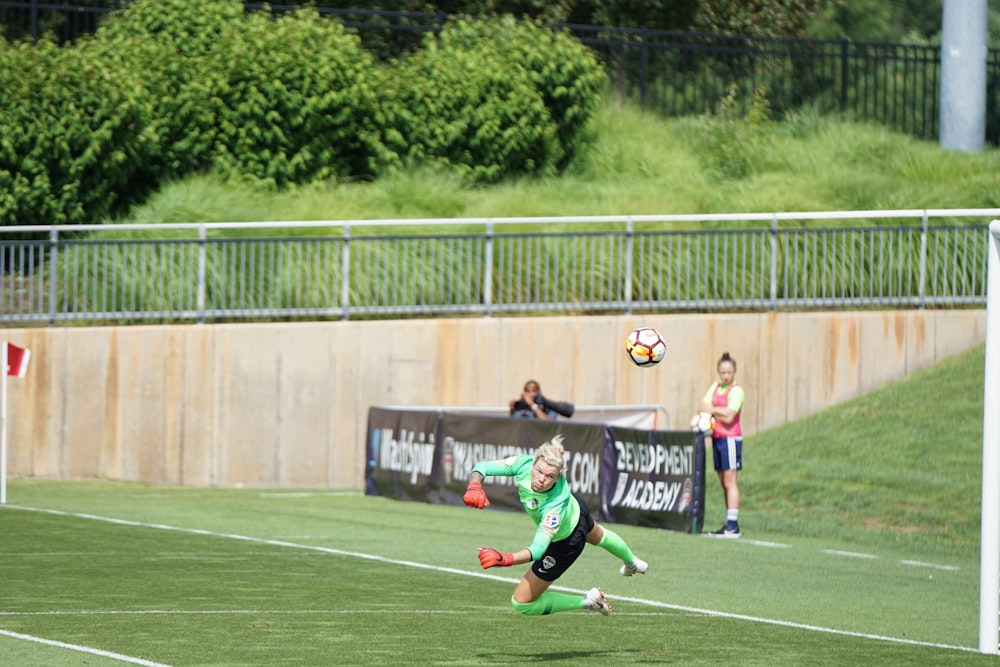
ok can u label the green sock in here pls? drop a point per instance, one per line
(549, 602)
(614, 544)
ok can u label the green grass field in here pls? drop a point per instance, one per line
(244, 577)
(102, 573)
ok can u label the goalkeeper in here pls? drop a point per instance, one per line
(564, 527)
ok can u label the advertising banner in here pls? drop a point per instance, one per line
(631, 476)
(400, 453)
(468, 439)
(654, 478)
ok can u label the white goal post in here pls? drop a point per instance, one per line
(989, 565)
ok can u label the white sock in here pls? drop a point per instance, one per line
(732, 516)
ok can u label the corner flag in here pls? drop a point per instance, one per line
(17, 360)
(14, 360)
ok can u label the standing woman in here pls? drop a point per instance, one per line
(724, 400)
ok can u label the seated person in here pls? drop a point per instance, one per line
(532, 405)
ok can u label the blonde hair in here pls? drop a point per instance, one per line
(551, 451)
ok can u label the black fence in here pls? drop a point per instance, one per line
(675, 73)
(686, 73)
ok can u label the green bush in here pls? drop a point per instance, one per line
(298, 104)
(161, 91)
(470, 109)
(568, 76)
(190, 31)
(75, 138)
(279, 101)
(173, 47)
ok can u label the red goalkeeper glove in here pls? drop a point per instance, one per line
(475, 496)
(491, 558)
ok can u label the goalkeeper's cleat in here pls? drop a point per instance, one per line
(595, 601)
(638, 566)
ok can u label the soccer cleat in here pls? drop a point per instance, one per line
(727, 532)
(596, 601)
(638, 566)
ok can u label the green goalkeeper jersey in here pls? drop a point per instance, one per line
(555, 512)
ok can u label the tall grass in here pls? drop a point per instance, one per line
(640, 163)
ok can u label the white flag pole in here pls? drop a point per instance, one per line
(3, 424)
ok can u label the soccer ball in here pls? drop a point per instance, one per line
(645, 347)
(703, 422)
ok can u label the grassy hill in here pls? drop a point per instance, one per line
(901, 466)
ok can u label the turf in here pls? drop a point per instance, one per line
(250, 577)
(860, 548)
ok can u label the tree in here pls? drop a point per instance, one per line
(782, 18)
(770, 18)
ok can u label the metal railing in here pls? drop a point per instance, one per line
(84, 274)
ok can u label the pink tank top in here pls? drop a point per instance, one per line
(721, 401)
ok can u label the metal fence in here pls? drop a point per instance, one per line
(675, 73)
(423, 268)
(681, 74)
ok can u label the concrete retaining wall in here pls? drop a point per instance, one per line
(286, 404)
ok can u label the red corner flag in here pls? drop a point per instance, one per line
(17, 365)
(17, 360)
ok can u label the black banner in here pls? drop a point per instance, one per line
(400, 453)
(654, 478)
(467, 440)
(630, 476)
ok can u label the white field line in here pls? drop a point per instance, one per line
(917, 563)
(771, 545)
(482, 575)
(270, 612)
(854, 554)
(912, 563)
(83, 649)
(223, 612)
(849, 554)
(308, 494)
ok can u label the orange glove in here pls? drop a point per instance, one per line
(491, 558)
(475, 496)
